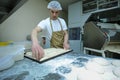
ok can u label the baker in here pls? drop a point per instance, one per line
(54, 29)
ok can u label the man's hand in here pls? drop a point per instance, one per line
(37, 51)
(66, 46)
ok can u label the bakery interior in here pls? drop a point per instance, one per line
(94, 37)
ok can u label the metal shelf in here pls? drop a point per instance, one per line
(96, 5)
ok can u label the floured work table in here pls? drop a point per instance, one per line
(106, 38)
(70, 66)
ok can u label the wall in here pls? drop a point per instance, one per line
(21, 22)
(74, 22)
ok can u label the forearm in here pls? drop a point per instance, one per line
(34, 36)
(66, 37)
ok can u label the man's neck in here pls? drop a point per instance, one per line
(54, 18)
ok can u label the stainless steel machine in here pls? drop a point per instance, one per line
(101, 37)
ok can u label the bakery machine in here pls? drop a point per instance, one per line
(101, 37)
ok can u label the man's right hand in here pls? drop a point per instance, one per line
(37, 51)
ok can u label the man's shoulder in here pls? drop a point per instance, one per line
(61, 19)
(45, 20)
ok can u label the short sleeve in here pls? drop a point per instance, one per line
(42, 24)
(64, 25)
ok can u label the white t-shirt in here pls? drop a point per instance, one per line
(46, 27)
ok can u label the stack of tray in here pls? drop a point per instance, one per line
(100, 38)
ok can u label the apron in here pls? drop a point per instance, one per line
(57, 38)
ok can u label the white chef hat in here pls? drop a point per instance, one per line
(54, 5)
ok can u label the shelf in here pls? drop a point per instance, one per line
(108, 5)
(96, 5)
(87, 1)
(106, 2)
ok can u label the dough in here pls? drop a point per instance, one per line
(101, 61)
(72, 75)
(116, 63)
(109, 76)
(18, 56)
(6, 62)
(116, 72)
(108, 68)
(11, 50)
(88, 75)
(49, 53)
(92, 66)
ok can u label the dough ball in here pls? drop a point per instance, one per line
(95, 67)
(116, 63)
(101, 61)
(88, 75)
(109, 76)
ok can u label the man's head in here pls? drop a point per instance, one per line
(54, 7)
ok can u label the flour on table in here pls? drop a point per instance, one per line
(116, 72)
(116, 63)
(6, 62)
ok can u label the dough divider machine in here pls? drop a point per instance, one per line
(101, 39)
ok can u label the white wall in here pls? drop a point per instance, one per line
(75, 13)
(21, 22)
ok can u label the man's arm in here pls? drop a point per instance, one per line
(66, 42)
(37, 50)
(34, 35)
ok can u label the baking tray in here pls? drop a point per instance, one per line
(50, 53)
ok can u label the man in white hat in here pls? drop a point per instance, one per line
(54, 29)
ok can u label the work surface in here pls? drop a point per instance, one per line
(70, 66)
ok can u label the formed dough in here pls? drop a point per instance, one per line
(101, 61)
(109, 76)
(116, 63)
(11, 50)
(95, 67)
(99, 65)
(117, 72)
